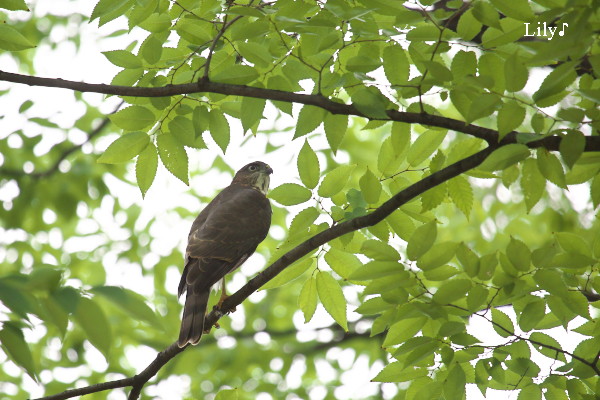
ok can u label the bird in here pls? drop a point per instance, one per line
(222, 237)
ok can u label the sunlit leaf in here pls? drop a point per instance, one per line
(290, 194)
(125, 148)
(308, 166)
(332, 297)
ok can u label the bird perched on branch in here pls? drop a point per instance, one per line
(222, 237)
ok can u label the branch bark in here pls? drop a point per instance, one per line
(207, 86)
(138, 381)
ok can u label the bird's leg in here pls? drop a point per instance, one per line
(224, 296)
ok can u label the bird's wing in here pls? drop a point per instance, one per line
(231, 227)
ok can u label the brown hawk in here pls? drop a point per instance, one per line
(222, 237)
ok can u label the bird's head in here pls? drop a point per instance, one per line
(255, 174)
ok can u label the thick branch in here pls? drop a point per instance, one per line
(445, 174)
(351, 225)
(206, 86)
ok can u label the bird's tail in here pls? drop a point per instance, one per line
(192, 322)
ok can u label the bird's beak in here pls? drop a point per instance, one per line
(269, 170)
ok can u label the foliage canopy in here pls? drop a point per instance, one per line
(446, 179)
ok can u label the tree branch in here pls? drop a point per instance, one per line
(138, 381)
(205, 86)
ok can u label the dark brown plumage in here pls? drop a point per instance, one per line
(222, 237)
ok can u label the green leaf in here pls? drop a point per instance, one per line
(558, 80)
(438, 71)
(533, 183)
(425, 145)
(370, 187)
(515, 73)
(468, 27)
(510, 116)
(403, 330)
(426, 32)
(26, 105)
(343, 263)
(335, 128)
(551, 281)
(396, 65)
(156, 23)
(532, 314)
(131, 303)
(502, 324)
(388, 160)
(571, 147)
(379, 250)
(308, 166)
(44, 278)
(94, 323)
(531, 392)
(519, 254)
(370, 102)
(375, 305)
(398, 372)
(125, 148)
(252, 112)
(183, 129)
(219, 129)
(477, 298)
(421, 240)
(173, 156)
(468, 259)
(17, 300)
(309, 119)
(551, 168)
(227, 394)
(517, 9)
(362, 64)
(307, 301)
(289, 274)
(12, 40)
(290, 194)
(433, 197)
(573, 243)
(332, 297)
(335, 180)
(482, 106)
(133, 118)
(454, 384)
(504, 157)
(452, 290)
(437, 256)
(595, 191)
(145, 167)
(105, 7)
(461, 193)
(16, 348)
(123, 58)
(375, 270)
(547, 346)
(14, 5)
(486, 14)
(236, 75)
(302, 221)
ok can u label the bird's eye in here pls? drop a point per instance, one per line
(252, 168)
